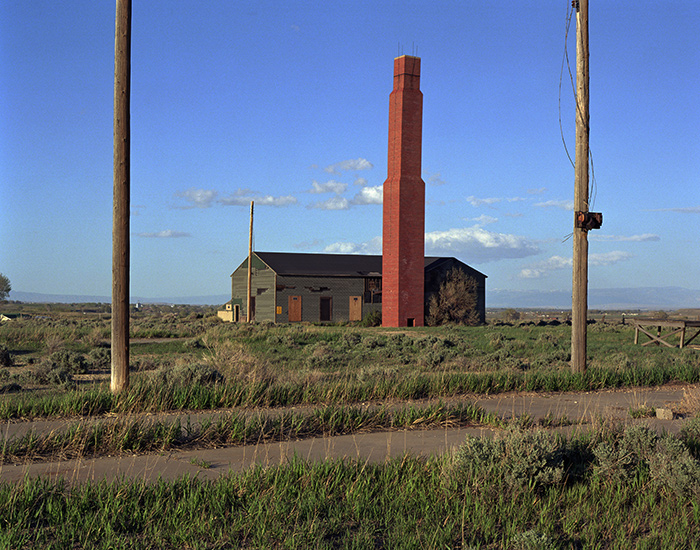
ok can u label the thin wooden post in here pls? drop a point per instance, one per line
(249, 316)
(121, 199)
(579, 309)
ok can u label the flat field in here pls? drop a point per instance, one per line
(530, 487)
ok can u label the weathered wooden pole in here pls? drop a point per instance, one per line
(249, 314)
(121, 200)
(579, 309)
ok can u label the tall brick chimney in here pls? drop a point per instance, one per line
(403, 240)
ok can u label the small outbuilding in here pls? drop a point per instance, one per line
(291, 287)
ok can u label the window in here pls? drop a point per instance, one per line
(373, 290)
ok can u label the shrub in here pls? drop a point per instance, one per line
(321, 356)
(510, 314)
(51, 373)
(455, 302)
(351, 339)
(673, 469)
(188, 374)
(431, 358)
(5, 357)
(690, 435)
(12, 387)
(621, 457)
(639, 449)
(372, 319)
(71, 361)
(234, 362)
(53, 342)
(532, 540)
(100, 358)
(521, 458)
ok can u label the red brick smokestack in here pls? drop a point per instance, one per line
(403, 240)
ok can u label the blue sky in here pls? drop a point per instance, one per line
(286, 103)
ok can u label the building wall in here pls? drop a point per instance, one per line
(312, 289)
(262, 288)
(272, 292)
(434, 278)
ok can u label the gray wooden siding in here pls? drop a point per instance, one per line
(262, 287)
(311, 289)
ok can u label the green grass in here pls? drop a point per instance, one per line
(118, 436)
(152, 395)
(402, 503)
(278, 366)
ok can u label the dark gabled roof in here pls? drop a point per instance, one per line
(286, 263)
(335, 265)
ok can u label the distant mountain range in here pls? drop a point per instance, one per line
(668, 298)
(603, 298)
(76, 299)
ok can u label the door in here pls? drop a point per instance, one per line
(355, 308)
(326, 308)
(294, 309)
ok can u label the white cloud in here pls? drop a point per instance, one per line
(198, 198)
(473, 244)
(334, 203)
(328, 187)
(474, 201)
(478, 245)
(563, 204)
(269, 200)
(242, 197)
(205, 198)
(352, 164)
(436, 179)
(373, 246)
(542, 269)
(609, 258)
(484, 219)
(361, 182)
(167, 234)
(645, 237)
(538, 191)
(369, 195)
(306, 245)
(556, 263)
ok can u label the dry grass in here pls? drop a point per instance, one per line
(690, 404)
(234, 362)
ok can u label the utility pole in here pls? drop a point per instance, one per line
(121, 199)
(579, 309)
(249, 315)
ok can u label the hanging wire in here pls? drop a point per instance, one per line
(593, 184)
(565, 60)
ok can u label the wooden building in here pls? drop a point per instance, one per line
(290, 287)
